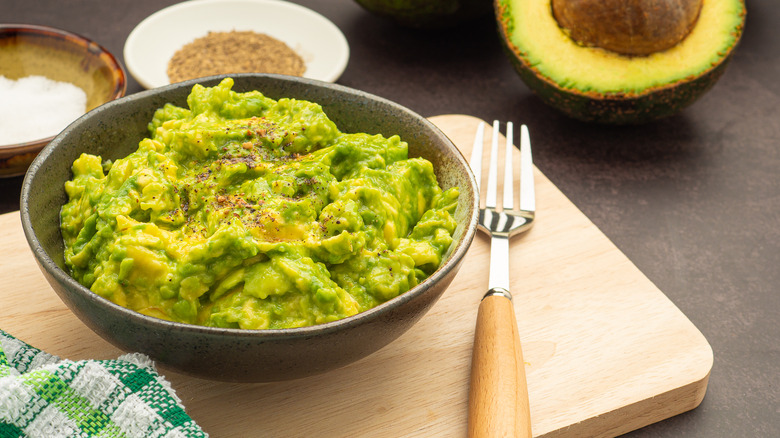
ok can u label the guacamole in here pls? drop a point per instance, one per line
(246, 212)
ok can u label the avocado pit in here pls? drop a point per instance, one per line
(627, 27)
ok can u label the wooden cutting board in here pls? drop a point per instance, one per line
(606, 351)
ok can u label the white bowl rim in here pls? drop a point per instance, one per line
(152, 43)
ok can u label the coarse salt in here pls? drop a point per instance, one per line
(35, 107)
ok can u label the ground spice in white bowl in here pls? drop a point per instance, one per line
(234, 52)
(36, 107)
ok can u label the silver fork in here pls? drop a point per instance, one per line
(498, 393)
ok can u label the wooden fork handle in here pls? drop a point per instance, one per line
(498, 394)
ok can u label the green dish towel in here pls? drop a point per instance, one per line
(42, 395)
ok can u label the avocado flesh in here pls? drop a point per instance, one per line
(590, 83)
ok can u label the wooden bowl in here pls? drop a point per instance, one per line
(27, 50)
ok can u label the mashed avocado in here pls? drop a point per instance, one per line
(247, 212)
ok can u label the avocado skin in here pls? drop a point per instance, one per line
(613, 108)
(428, 14)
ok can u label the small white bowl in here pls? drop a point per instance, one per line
(156, 39)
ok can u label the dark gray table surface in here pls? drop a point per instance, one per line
(693, 200)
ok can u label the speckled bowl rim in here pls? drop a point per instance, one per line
(120, 84)
(454, 255)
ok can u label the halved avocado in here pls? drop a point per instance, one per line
(428, 14)
(637, 77)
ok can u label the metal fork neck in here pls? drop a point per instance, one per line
(498, 278)
(498, 291)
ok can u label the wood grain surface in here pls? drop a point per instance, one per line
(498, 389)
(606, 352)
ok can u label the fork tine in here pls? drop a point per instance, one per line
(476, 154)
(527, 197)
(492, 190)
(508, 177)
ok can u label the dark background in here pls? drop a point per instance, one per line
(693, 200)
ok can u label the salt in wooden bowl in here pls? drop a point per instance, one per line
(29, 50)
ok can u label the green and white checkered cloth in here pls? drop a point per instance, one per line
(44, 396)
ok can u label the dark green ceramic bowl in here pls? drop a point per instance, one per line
(113, 130)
